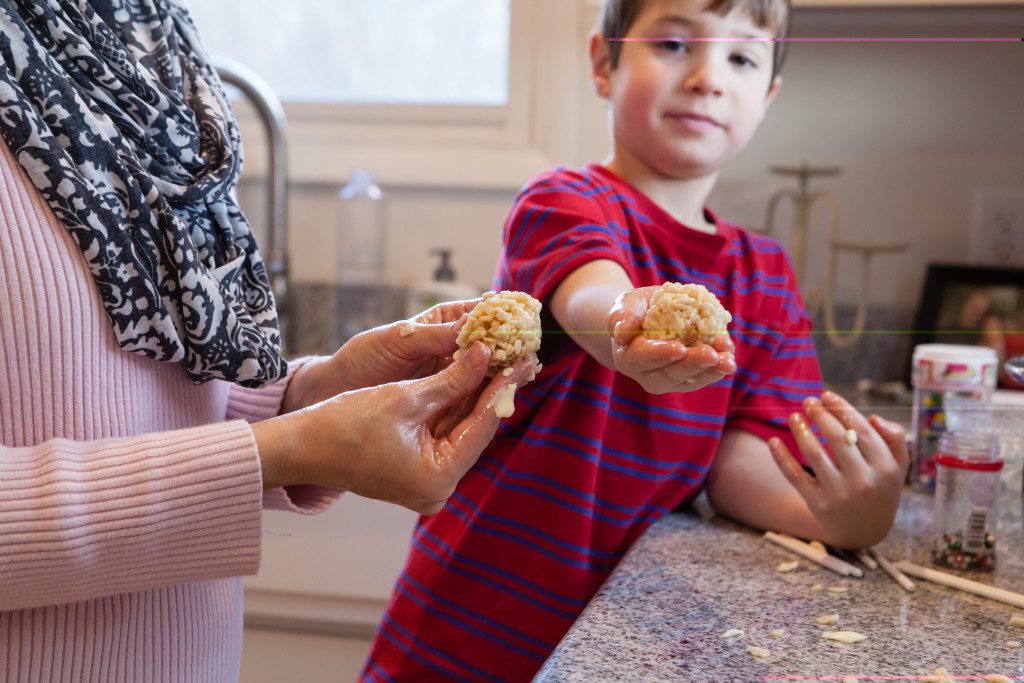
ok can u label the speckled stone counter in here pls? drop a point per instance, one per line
(694, 575)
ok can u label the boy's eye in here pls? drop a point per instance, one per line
(743, 60)
(671, 45)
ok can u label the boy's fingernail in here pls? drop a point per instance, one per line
(888, 426)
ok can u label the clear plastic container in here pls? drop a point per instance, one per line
(968, 469)
(940, 373)
(362, 293)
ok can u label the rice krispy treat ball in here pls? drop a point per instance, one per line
(688, 313)
(508, 323)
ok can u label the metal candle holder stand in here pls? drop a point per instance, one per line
(803, 199)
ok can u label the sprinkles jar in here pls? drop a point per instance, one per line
(941, 372)
(968, 469)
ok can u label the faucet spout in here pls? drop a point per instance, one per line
(271, 113)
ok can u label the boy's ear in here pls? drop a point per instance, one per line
(600, 64)
(773, 90)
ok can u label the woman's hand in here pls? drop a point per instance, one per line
(383, 442)
(854, 493)
(663, 366)
(390, 353)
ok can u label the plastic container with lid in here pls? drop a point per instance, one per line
(940, 371)
(968, 469)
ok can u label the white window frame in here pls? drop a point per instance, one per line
(476, 147)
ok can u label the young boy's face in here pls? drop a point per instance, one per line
(683, 107)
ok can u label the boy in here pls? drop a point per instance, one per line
(619, 429)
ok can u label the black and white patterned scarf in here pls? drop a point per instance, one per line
(125, 130)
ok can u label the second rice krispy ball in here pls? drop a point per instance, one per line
(508, 323)
(688, 313)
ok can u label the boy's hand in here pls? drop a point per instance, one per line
(663, 366)
(854, 492)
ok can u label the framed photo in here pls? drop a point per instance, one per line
(978, 305)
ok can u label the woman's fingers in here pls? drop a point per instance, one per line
(464, 442)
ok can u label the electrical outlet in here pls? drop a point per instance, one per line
(997, 226)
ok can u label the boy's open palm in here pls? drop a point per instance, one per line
(663, 366)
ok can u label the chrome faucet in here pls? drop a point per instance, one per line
(271, 112)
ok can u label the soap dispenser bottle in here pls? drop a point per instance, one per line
(443, 287)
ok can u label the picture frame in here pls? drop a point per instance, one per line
(976, 305)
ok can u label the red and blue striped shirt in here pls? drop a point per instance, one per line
(589, 459)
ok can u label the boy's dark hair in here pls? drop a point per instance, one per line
(618, 17)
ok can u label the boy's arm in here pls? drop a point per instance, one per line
(849, 501)
(598, 307)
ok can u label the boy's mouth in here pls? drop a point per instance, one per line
(694, 121)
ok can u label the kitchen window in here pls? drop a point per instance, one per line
(467, 93)
(397, 52)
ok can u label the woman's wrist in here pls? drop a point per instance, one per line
(302, 390)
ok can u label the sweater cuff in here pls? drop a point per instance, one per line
(305, 499)
(253, 405)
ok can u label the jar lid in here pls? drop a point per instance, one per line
(957, 353)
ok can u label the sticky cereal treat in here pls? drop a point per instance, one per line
(508, 323)
(689, 313)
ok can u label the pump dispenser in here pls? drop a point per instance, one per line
(442, 287)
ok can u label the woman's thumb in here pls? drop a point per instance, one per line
(458, 380)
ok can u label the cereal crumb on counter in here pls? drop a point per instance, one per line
(1018, 622)
(759, 652)
(838, 589)
(816, 588)
(508, 323)
(688, 313)
(844, 636)
(827, 620)
(732, 633)
(1013, 644)
(940, 675)
(777, 633)
(787, 567)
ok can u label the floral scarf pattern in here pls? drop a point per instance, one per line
(126, 131)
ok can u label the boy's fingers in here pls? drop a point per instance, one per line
(814, 453)
(836, 418)
(895, 438)
(791, 469)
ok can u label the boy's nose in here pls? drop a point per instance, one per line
(704, 79)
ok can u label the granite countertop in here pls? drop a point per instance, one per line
(694, 575)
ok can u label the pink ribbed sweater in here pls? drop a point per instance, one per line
(128, 504)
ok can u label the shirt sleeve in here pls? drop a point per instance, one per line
(253, 405)
(80, 520)
(553, 229)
